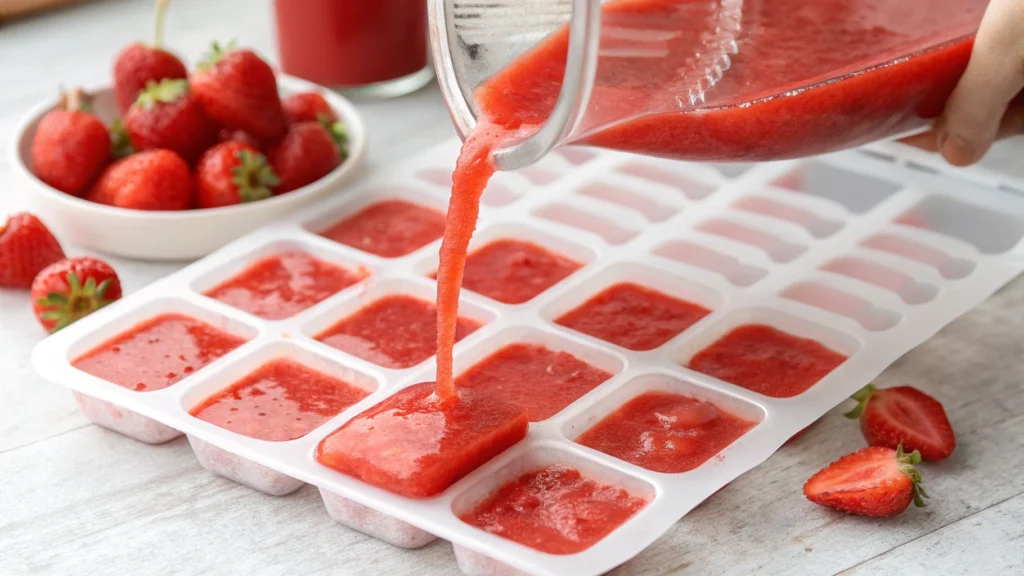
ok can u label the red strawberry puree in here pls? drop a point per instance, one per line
(283, 285)
(633, 317)
(767, 361)
(416, 444)
(281, 400)
(554, 510)
(539, 380)
(393, 332)
(513, 272)
(390, 229)
(665, 432)
(158, 352)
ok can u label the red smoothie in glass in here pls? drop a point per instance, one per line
(158, 352)
(665, 432)
(767, 361)
(281, 400)
(633, 317)
(282, 285)
(347, 43)
(555, 510)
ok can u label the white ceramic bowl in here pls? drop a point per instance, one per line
(179, 235)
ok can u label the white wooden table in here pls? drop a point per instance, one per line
(75, 499)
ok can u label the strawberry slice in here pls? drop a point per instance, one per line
(875, 481)
(904, 415)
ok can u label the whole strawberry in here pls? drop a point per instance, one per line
(904, 415)
(70, 145)
(149, 180)
(167, 115)
(312, 107)
(139, 64)
(71, 289)
(239, 91)
(231, 173)
(306, 154)
(307, 107)
(874, 481)
(26, 247)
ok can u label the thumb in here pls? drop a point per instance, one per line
(994, 76)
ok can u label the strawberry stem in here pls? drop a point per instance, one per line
(253, 177)
(80, 301)
(337, 132)
(862, 397)
(907, 464)
(216, 52)
(120, 141)
(158, 36)
(76, 100)
(165, 91)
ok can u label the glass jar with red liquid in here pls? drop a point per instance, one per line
(375, 48)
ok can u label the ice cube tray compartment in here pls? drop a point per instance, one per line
(846, 214)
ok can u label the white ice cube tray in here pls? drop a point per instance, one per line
(864, 251)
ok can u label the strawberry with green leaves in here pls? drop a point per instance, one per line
(307, 107)
(312, 107)
(139, 64)
(26, 247)
(307, 153)
(238, 90)
(71, 289)
(875, 481)
(166, 115)
(70, 145)
(904, 415)
(232, 173)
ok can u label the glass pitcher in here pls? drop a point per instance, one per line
(702, 80)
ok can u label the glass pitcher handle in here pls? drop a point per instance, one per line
(577, 83)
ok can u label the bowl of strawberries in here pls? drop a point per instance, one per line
(171, 164)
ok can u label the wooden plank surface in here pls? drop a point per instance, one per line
(75, 499)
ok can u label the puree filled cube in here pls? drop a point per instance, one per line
(767, 361)
(633, 317)
(393, 332)
(555, 510)
(665, 432)
(540, 380)
(281, 400)
(158, 352)
(417, 445)
(390, 229)
(283, 285)
(513, 271)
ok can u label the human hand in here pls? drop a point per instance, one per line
(987, 103)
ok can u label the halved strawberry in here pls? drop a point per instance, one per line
(904, 415)
(875, 481)
(71, 289)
